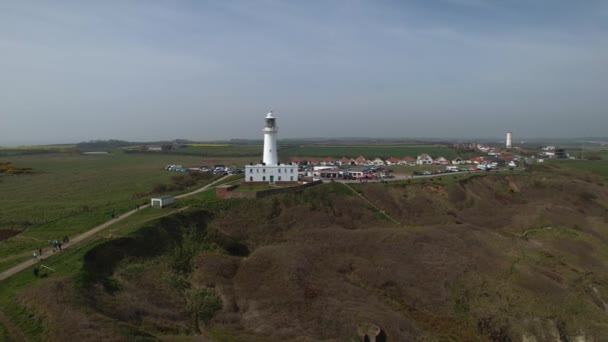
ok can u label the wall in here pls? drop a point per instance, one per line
(263, 193)
(258, 172)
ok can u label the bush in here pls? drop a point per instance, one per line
(202, 303)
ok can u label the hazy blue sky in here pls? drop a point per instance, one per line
(148, 70)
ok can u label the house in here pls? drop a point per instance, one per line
(424, 159)
(477, 160)
(344, 161)
(295, 161)
(441, 161)
(457, 161)
(378, 162)
(312, 161)
(361, 160)
(393, 161)
(408, 161)
(358, 173)
(328, 161)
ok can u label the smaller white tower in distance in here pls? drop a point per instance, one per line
(509, 140)
(270, 156)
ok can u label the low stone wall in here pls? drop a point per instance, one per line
(230, 193)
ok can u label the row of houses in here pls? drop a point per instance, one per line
(423, 159)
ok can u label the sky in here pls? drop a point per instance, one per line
(74, 71)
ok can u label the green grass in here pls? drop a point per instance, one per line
(71, 193)
(207, 195)
(338, 188)
(286, 151)
(257, 187)
(233, 179)
(224, 150)
(368, 151)
(66, 264)
(597, 167)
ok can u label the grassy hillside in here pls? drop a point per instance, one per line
(69, 193)
(490, 257)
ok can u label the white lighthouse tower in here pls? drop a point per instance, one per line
(509, 142)
(270, 171)
(270, 140)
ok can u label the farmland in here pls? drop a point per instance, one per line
(69, 193)
(319, 150)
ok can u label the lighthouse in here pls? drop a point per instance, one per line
(509, 142)
(270, 140)
(270, 171)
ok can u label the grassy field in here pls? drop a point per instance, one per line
(367, 151)
(66, 264)
(71, 193)
(286, 151)
(597, 167)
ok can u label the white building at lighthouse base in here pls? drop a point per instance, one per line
(271, 174)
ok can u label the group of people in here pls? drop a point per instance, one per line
(55, 244)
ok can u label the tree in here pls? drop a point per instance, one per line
(202, 303)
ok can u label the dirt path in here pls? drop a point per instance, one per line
(47, 252)
(525, 234)
(372, 204)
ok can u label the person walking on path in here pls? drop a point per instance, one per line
(40, 251)
(35, 256)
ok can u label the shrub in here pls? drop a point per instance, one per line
(202, 303)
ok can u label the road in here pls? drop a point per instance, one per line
(48, 252)
(401, 177)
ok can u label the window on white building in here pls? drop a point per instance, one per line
(279, 177)
(263, 170)
(251, 179)
(291, 177)
(264, 178)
